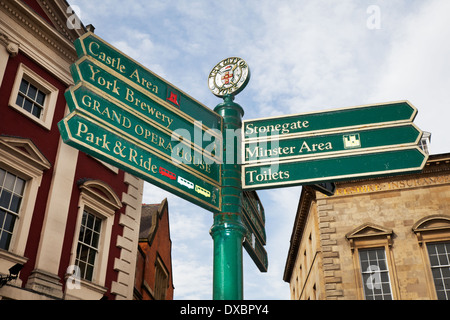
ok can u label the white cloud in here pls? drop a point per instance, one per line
(304, 56)
(417, 69)
(192, 279)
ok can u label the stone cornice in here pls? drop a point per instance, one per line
(52, 48)
(57, 12)
(37, 26)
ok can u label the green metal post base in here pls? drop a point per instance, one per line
(227, 233)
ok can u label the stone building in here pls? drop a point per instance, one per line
(380, 238)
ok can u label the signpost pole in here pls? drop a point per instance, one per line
(228, 229)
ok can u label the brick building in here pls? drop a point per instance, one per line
(154, 260)
(384, 238)
(69, 221)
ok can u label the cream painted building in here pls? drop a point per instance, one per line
(383, 238)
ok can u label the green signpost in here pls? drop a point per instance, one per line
(141, 79)
(196, 155)
(334, 168)
(102, 142)
(331, 120)
(115, 100)
(254, 221)
(129, 117)
(343, 141)
(328, 146)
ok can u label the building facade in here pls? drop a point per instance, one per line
(154, 260)
(384, 238)
(69, 221)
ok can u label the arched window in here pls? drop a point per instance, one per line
(434, 232)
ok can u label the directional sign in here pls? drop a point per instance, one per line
(121, 66)
(145, 131)
(254, 220)
(327, 146)
(170, 119)
(332, 120)
(343, 141)
(117, 100)
(334, 168)
(98, 140)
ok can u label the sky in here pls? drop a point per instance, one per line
(304, 55)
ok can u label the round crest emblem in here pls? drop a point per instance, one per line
(229, 77)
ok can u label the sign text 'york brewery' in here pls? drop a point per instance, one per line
(89, 73)
(90, 45)
(85, 98)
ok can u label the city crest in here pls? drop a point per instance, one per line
(229, 77)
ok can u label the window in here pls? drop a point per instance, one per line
(375, 274)
(161, 280)
(22, 166)
(33, 96)
(30, 98)
(439, 255)
(11, 193)
(90, 251)
(433, 234)
(88, 241)
(371, 247)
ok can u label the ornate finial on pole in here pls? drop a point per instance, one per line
(229, 77)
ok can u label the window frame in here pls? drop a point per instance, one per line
(447, 243)
(22, 158)
(364, 272)
(35, 101)
(161, 279)
(431, 229)
(98, 199)
(51, 92)
(95, 248)
(371, 236)
(8, 210)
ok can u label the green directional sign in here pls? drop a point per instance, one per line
(90, 71)
(191, 150)
(393, 112)
(121, 66)
(344, 141)
(254, 221)
(334, 168)
(96, 139)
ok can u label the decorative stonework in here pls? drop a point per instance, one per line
(11, 46)
(330, 254)
(128, 242)
(428, 178)
(47, 35)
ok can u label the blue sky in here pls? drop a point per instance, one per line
(304, 56)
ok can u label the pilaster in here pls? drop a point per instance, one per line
(128, 242)
(330, 254)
